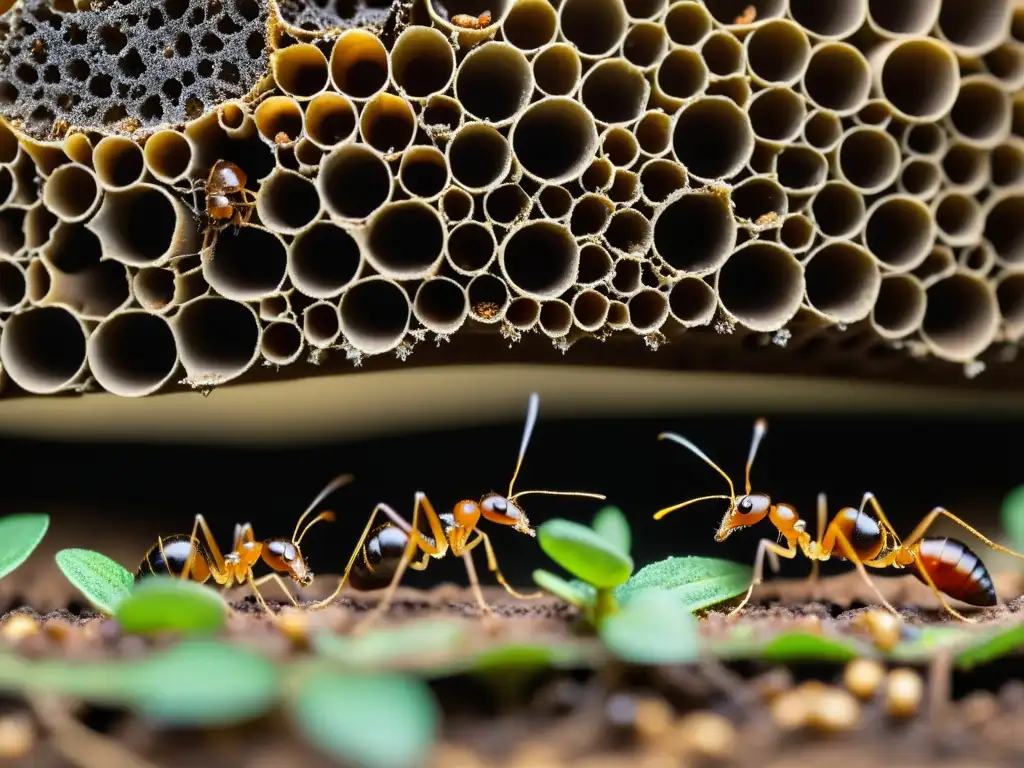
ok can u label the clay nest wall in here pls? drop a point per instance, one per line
(812, 177)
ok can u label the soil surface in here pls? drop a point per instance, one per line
(704, 714)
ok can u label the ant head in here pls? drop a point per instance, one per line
(503, 511)
(743, 512)
(285, 557)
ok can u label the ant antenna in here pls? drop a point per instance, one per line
(760, 427)
(332, 486)
(662, 512)
(531, 420)
(700, 454)
(328, 516)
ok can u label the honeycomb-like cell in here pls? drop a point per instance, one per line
(191, 187)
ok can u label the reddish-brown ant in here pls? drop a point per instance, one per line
(946, 565)
(382, 554)
(227, 200)
(187, 557)
(466, 21)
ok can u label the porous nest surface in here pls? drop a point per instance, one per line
(818, 180)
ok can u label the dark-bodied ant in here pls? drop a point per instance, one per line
(382, 554)
(187, 557)
(944, 564)
(227, 200)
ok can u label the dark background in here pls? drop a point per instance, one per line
(118, 497)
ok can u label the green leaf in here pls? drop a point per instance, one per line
(205, 682)
(652, 628)
(19, 536)
(407, 645)
(385, 721)
(584, 553)
(696, 582)
(526, 656)
(611, 524)
(991, 646)
(805, 646)
(570, 592)
(162, 603)
(923, 645)
(103, 582)
(1013, 517)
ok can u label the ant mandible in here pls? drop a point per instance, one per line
(186, 557)
(944, 564)
(386, 551)
(225, 180)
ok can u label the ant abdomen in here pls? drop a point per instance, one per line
(862, 532)
(956, 571)
(172, 561)
(379, 559)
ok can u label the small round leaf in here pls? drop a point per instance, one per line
(1012, 513)
(161, 603)
(611, 524)
(578, 594)
(696, 582)
(103, 582)
(652, 628)
(19, 536)
(584, 553)
(384, 721)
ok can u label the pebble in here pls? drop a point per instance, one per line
(19, 627)
(17, 736)
(707, 734)
(863, 677)
(904, 691)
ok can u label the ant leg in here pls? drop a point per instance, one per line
(193, 551)
(928, 580)
(492, 565)
(851, 555)
(822, 522)
(474, 581)
(775, 551)
(256, 591)
(319, 605)
(280, 582)
(869, 498)
(930, 518)
(211, 542)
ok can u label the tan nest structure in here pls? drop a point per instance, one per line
(801, 186)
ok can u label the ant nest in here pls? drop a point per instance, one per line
(832, 181)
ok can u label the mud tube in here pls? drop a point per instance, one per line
(797, 233)
(875, 113)
(838, 210)
(247, 265)
(300, 70)
(736, 89)
(777, 115)
(73, 273)
(712, 138)
(681, 75)
(777, 53)
(78, 147)
(330, 120)
(46, 155)
(557, 70)
(938, 265)
(441, 305)
(478, 157)
(829, 19)
(761, 201)
(595, 27)
(489, 299)
(838, 78)
(375, 314)
(1007, 164)
(554, 202)
(615, 92)
(442, 12)
(424, 173)
(43, 349)
(12, 230)
(1006, 64)
(625, 189)
(494, 83)
(554, 140)
(9, 145)
(843, 281)
(653, 133)
(441, 117)
(404, 240)
(456, 205)
(909, 18)
(235, 120)
(13, 286)
(900, 232)
(692, 302)
(321, 325)
(731, 15)
(960, 219)
(507, 205)
(688, 23)
(169, 156)
(920, 177)
(761, 285)
(627, 279)
(308, 156)
(359, 65)
(1004, 227)
(694, 232)
(645, 45)
(643, 10)
(72, 192)
(978, 259)
(388, 124)
(555, 319)
(965, 168)
(596, 265)
(144, 226)
(618, 315)
(590, 215)
(133, 354)
(801, 171)
(523, 313)
(530, 25)
(218, 339)
(629, 233)
(981, 115)
(288, 202)
(118, 163)
(925, 140)
(353, 183)
(589, 310)
(539, 259)
(962, 317)
(660, 179)
(281, 342)
(867, 158)
(724, 55)
(648, 311)
(620, 146)
(918, 76)
(1010, 294)
(973, 29)
(422, 63)
(162, 290)
(900, 307)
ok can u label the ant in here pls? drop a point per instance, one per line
(382, 554)
(225, 179)
(944, 564)
(466, 21)
(186, 557)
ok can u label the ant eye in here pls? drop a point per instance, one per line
(499, 505)
(746, 505)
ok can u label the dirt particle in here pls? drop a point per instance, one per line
(707, 735)
(19, 627)
(653, 719)
(863, 677)
(17, 736)
(903, 694)
(884, 629)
